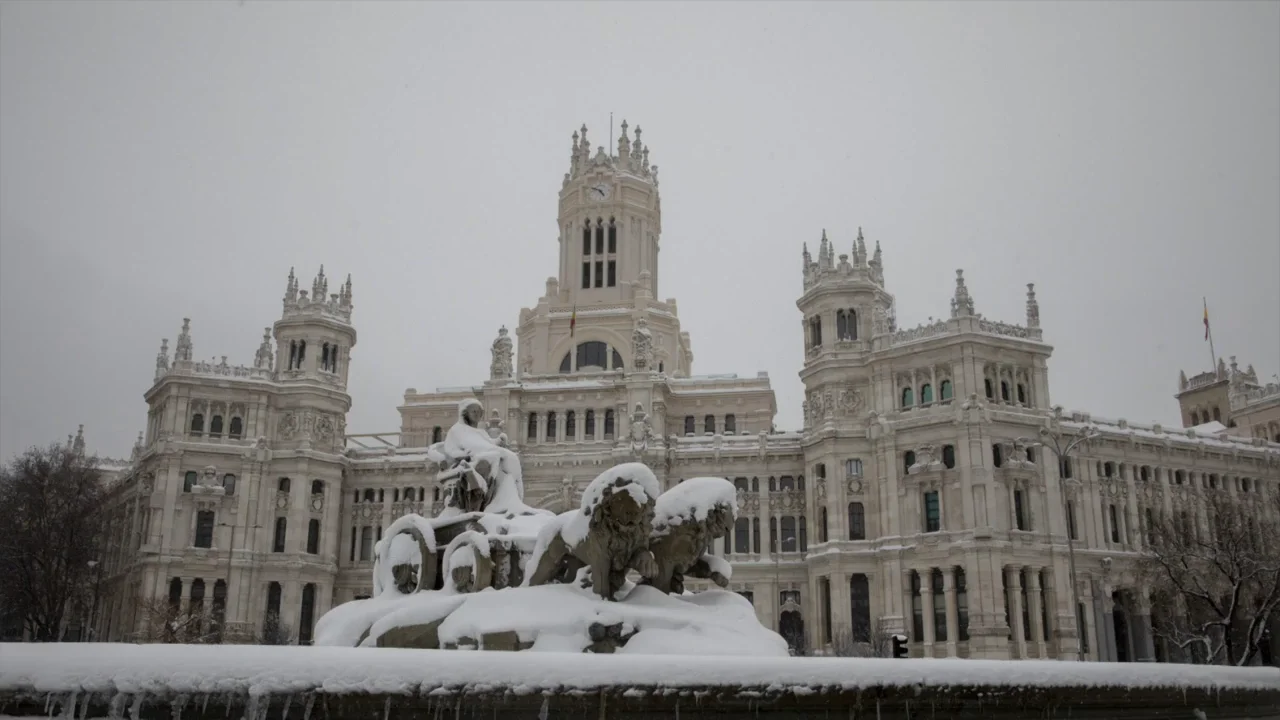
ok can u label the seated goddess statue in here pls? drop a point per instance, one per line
(468, 446)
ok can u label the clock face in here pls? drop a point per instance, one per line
(599, 192)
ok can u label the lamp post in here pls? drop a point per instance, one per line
(1052, 437)
(97, 586)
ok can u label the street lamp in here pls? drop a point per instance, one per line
(1052, 438)
(97, 585)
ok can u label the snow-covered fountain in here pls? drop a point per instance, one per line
(490, 572)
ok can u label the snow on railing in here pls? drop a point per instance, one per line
(217, 369)
(1243, 398)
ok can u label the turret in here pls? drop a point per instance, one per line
(314, 334)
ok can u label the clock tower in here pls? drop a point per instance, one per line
(605, 291)
(610, 220)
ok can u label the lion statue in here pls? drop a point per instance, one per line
(689, 518)
(609, 535)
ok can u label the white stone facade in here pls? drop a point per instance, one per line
(912, 500)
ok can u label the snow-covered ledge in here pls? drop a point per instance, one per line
(214, 679)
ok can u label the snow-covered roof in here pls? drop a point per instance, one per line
(1194, 436)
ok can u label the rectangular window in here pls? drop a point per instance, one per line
(1019, 511)
(962, 606)
(1071, 520)
(277, 543)
(613, 238)
(353, 543)
(613, 273)
(932, 512)
(1082, 629)
(853, 468)
(599, 240)
(939, 608)
(826, 610)
(313, 537)
(204, 529)
(917, 609)
(586, 275)
(1115, 523)
(599, 273)
(366, 543)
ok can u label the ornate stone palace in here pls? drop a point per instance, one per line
(915, 499)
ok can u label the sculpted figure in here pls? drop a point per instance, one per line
(467, 446)
(609, 534)
(689, 517)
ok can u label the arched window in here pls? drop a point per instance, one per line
(709, 424)
(613, 236)
(1004, 391)
(229, 484)
(822, 524)
(786, 482)
(188, 481)
(586, 239)
(282, 485)
(740, 484)
(204, 529)
(755, 534)
(317, 487)
(842, 325)
(599, 237)
(773, 534)
(608, 424)
(590, 429)
(1195, 419)
(730, 424)
(616, 357)
(551, 426)
(215, 426)
(302, 353)
(857, 521)
(755, 484)
(908, 459)
(324, 356)
(592, 353)
(907, 398)
(437, 434)
(368, 495)
(197, 424)
(277, 542)
(949, 456)
(175, 593)
(997, 457)
(237, 428)
(688, 425)
(532, 429)
(986, 384)
(944, 391)
(773, 484)
(1217, 415)
(860, 605)
(1064, 467)
(1109, 469)
(306, 613)
(570, 425)
(313, 537)
(565, 368)
(1022, 394)
(926, 394)
(273, 604)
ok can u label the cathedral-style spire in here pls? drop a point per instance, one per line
(183, 349)
(137, 447)
(860, 250)
(77, 446)
(962, 303)
(624, 145)
(1033, 307)
(320, 286)
(291, 288)
(345, 298)
(808, 259)
(162, 359)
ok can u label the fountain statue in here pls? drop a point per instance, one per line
(490, 572)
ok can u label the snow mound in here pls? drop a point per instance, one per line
(691, 501)
(559, 618)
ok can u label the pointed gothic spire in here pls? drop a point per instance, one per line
(808, 259)
(183, 349)
(962, 303)
(624, 145)
(77, 447)
(860, 248)
(1033, 307)
(875, 259)
(162, 359)
(346, 292)
(137, 447)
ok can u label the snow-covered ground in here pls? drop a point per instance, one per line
(259, 670)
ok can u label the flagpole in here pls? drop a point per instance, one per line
(1208, 329)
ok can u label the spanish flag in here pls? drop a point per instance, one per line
(573, 319)
(1206, 319)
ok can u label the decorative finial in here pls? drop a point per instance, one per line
(1033, 307)
(962, 303)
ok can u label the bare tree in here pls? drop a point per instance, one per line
(166, 622)
(874, 642)
(50, 532)
(275, 631)
(1215, 575)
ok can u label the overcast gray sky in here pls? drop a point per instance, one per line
(162, 160)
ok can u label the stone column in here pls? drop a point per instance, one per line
(908, 615)
(1140, 623)
(1033, 611)
(926, 607)
(953, 613)
(1107, 627)
(1014, 588)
